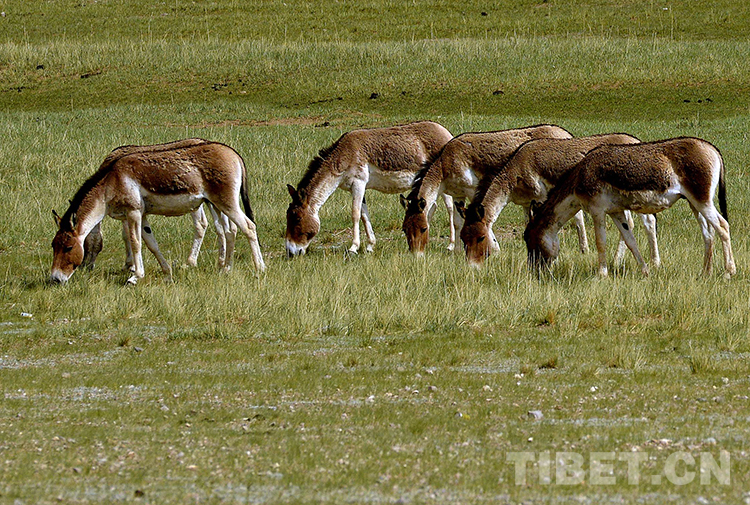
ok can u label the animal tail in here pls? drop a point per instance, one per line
(243, 194)
(723, 193)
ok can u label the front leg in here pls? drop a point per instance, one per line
(649, 222)
(583, 243)
(626, 232)
(358, 194)
(148, 237)
(129, 265)
(600, 232)
(448, 201)
(133, 222)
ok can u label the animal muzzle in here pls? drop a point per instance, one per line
(293, 249)
(58, 277)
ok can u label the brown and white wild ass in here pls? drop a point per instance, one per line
(457, 170)
(383, 159)
(167, 182)
(525, 180)
(225, 229)
(646, 178)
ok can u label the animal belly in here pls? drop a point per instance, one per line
(647, 202)
(389, 182)
(171, 205)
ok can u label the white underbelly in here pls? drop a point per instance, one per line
(388, 181)
(171, 205)
(647, 202)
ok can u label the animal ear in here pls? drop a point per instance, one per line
(479, 211)
(56, 217)
(421, 204)
(73, 220)
(461, 208)
(403, 200)
(302, 195)
(292, 191)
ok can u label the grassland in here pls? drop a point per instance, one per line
(379, 378)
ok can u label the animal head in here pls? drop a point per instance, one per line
(302, 223)
(416, 228)
(476, 235)
(67, 250)
(542, 244)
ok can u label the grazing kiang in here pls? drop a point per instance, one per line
(646, 178)
(456, 171)
(225, 229)
(525, 180)
(383, 159)
(168, 182)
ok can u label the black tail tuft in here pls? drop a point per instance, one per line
(723, 194)
(246, 202)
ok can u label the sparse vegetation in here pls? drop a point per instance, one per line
(382, 377)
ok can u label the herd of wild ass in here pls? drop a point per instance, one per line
(551, 174)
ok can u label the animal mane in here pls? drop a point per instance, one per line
(564, 187)
(315, 165)
(85, 189)
(486, 181)
(419, 178)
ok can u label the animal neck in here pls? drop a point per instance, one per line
(89, 212)
(494, 201)
(555, 216)
(319, 191)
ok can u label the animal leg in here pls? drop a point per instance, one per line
(626, 232)
(129, 265)
(358, 194)
(649, 222)
(153, 246)
(708, 240)
(133, 223)
(448, 201)
(600, 232)
(580, 223)
(248, 229)
(369, 232)
(621, 245)
(92, 246)
(200, 224)
(721, 226)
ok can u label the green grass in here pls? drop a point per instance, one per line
(380, 378)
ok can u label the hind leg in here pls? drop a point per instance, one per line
(707, 233)
(721, 226)
(369, 232)
(200, 224)
(246, 226)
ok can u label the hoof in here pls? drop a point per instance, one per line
(132, 281)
